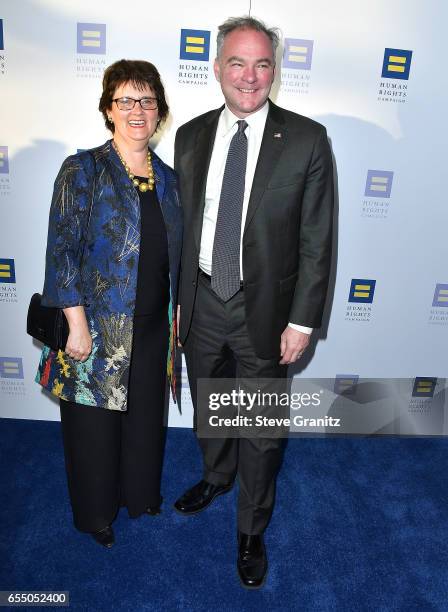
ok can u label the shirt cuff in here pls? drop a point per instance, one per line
(301, 328)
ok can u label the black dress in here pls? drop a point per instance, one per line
(115, 458)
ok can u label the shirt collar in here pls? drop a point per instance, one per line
(256, 121)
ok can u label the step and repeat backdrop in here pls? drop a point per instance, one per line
(372, 73)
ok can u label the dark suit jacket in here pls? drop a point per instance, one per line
(287, 235)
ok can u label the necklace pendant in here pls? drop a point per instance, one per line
(143, 187)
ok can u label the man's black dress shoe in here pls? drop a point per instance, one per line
(105, 537)
(252, 562)
(199, 497)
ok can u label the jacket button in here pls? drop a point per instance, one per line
(194, 283)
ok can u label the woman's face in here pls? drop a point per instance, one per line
(136, 125)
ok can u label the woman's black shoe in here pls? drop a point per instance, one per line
(154, 511)
(105, 537)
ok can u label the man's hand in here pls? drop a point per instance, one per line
(293, 344)
(79, 342)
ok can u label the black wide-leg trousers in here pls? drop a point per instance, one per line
(218, 346)
(114, 458)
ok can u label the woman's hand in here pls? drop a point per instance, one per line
(79, 342)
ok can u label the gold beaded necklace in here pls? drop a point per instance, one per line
(135, 181)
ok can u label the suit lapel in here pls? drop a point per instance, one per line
(274, 139)
(201, 159)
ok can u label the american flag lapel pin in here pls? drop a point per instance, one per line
(277, 134)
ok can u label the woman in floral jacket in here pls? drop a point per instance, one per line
(112, 264)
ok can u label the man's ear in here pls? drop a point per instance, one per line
(216, 69)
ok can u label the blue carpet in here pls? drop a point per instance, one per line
(359, 524)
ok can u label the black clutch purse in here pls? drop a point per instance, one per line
(48, 325)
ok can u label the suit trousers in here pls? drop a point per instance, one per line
(115, 458)
(218, 346)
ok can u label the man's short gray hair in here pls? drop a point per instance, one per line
(246, 23)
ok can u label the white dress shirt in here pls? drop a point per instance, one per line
(227, 127)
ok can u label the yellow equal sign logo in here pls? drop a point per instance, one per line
(91, 38)
(11, 367)
(297, 54)
(5, 270)
(192, 43)
(361, 291)
(397, 63)
(378, 183)
(424, 386)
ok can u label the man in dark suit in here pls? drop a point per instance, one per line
(257, 189)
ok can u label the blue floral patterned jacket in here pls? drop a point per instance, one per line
(92, 260)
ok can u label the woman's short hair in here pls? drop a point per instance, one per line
(138, 72)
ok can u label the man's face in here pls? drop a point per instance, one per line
(245, 69)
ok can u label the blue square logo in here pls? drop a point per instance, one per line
(194, 45)
(379, 183)
(298, 54)
(424, 386)
(345, 384)
(7, 271)
(4, 160)
(396, 64)
(2, 41)
(440, 299)
(11, 367)
(362, 290)
(91, 38)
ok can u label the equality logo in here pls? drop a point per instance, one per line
(440, 299)
(297, 54)
(424, 386)
(396, 64)
(379, 183)
(2, 40)
(11, 367)
(91, 38)
(195, 45)
(345, 384)
(7, 271)
(362, 290)
(4, 161)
